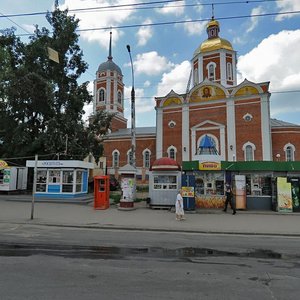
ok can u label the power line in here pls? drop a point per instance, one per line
(135, 6)
(181, 22)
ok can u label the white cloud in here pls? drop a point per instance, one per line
(142, 104)
(194, 28)
(287, 5)
(99, 18)
(151, 63)
(147, 83)
(275, 60)
(144, 33)
(172, 9)
(254, 20)
(175, 80)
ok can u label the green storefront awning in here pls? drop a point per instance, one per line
(279, 166)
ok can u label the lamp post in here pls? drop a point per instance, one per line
(133, 141)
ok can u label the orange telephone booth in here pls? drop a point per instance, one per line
(101, 192)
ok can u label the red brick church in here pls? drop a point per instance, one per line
(233, 118)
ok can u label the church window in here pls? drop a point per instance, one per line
(102, 95)
(172, 152)
(119, 97)
(289, 150)
(116, 158)
(129, 157)
(229, 71)
(146, 158)
(248, 149)
(208, 144)
(211, 68)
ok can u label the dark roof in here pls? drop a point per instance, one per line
(109, 65)
(127, 132)
(279, 123)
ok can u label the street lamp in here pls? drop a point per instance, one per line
(133, 144)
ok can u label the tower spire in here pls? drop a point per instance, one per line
(109, 53)
(212, 12)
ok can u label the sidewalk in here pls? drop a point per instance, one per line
(144, 218)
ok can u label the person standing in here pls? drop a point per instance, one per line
(229, 194)
(179, 206)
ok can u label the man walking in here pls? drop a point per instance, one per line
(229, 194)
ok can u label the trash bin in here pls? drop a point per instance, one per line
(101, 192)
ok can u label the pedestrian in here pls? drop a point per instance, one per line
(179, 206)
(229, 194)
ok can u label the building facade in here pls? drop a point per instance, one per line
(233, 118)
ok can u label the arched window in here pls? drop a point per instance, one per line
(102, 95)
(208, 144)
(119, 97)
(249, 149)
(146, 158)
(229, 71)
(196, 76)
(129, 157)
(115, 158)
(172, 152)
(211, 68)
(289, 150)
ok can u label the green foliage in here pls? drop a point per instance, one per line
(41, 102)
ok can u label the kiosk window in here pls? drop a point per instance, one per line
(78, 181)
(165, 182)
(54, 176)
(68, 178)
(41, 181)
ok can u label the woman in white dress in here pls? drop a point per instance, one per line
(179, 206)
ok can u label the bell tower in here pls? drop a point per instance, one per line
(214, 59)
(109, 90)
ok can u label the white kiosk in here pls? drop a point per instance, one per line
(12, 178)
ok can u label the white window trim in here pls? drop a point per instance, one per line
(144, 158)
(113, 158)
(229, 72)
(293, 151)
(214, 67)
(102, 89)
(169, 150)
(128, 156)
(253, 150)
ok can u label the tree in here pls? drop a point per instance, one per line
(42, 102)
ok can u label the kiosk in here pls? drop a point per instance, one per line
(61, 178)
(12, 178)
(164, 182)
(101, 192)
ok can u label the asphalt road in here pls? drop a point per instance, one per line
(52, 262)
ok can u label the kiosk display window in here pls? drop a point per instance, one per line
(67, 184)
(208, 183)
(258, 184)
(78, 181)
(165, 182)
(41, 183)
(54, 176)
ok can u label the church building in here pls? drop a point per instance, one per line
(216, 120)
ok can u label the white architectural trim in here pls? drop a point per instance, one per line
(185, 133)
(293, 149)
(223, 68)
(231, 130)
(213, 126)
(266, 128)
(159, 133)
(253, 150)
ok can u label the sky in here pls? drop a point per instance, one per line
(163, 36)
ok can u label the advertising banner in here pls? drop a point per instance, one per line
(240, 191)
(284, 195)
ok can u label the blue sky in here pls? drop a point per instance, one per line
(267, 46)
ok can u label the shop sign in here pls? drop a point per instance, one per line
(210, 166)
(284, 195)
(3, 164)
(188, 191)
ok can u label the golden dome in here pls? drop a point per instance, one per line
(213, 23)
(213, 44)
